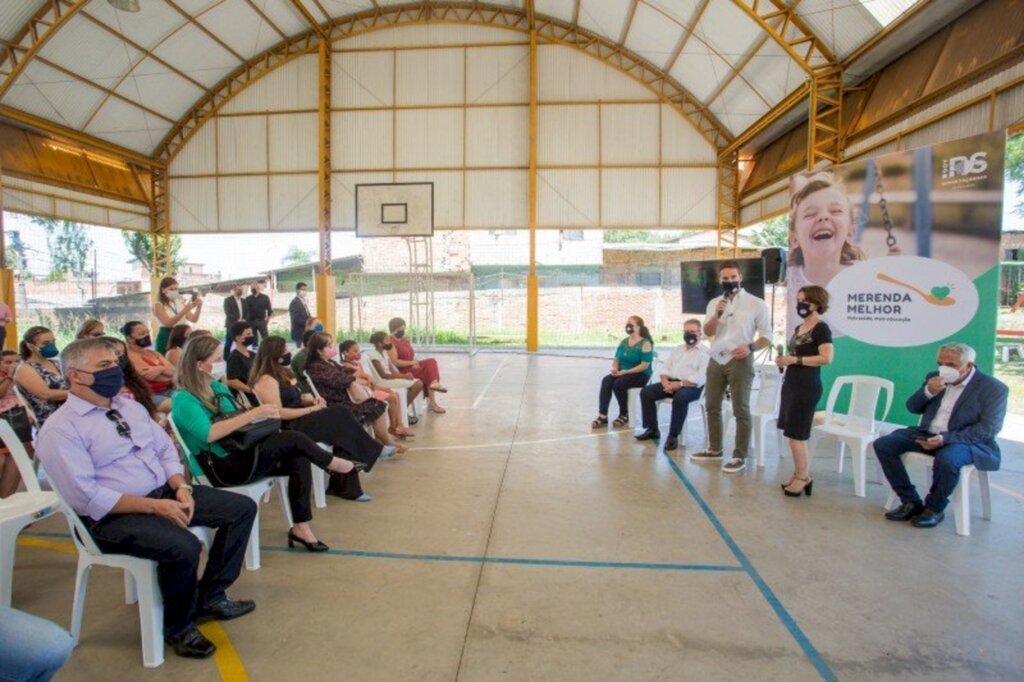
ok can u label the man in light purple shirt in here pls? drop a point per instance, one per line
(121, 473)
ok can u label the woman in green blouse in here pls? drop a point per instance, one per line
(286, 453)
(631, 368)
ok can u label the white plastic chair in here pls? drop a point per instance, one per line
(961, 497)
(764, 411)
(633, 394)
(399, 386)
(20, 509)
(253, 491)
(140, 585)
(319, 475)
(858, 427)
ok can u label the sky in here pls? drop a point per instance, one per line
(236, 256)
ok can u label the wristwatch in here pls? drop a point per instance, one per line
(752, 347)
(184, 486)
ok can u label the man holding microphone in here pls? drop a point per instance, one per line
(962, 412)
(740, 325)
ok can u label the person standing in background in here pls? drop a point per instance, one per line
(6, 317)
(298, 312)
(170, 310)
(235, 310)
(258, 309)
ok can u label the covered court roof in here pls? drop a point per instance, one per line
(135, 79)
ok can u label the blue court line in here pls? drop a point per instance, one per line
(518, 561)
(514, 561)
(819, 663)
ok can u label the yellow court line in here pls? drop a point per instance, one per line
(229, 665)
(65, 546)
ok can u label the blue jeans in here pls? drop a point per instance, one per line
(31, 648)
(945, 472)
(681, 399)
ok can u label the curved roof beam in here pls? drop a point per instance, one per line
(15, 56)
(784, 25)
(552, 30)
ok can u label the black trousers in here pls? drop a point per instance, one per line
(177, 551)
(285, 453)
(335, 425)
(619, 386)
(259, 329)
(681, 399)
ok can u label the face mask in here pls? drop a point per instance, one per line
(399, 334)
(730, 287)
(173, 294)
(330, 352)
(302, 294)
(145, 342)
(249, 341)
(387, 346)
(206, 368)
(319, 329)
(690, 338)
(286, 359)
(948, 374)
(49, 350)
(803, 308)
(107, 382)
(122, 362)
(630, 329)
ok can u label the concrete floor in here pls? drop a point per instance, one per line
(514, 543)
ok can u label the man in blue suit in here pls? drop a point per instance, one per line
(962, 412)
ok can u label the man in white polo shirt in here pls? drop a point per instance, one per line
(740, 325)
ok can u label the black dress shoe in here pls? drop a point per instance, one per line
(928, 519)
(648, 434)
(191, 644)
(226, 609)
(672, 443)
(905, 511)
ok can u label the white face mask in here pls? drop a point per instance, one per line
(302, 294)
(948, 374)
(173, 294)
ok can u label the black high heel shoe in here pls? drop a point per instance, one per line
(806, 490)
(317, 546)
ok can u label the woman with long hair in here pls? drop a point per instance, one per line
(403, 355)
(349, 354)
(205, 413)
(175, 342)
(90, 329)
(274, 384)
(171, 309)
(39, 375)
(153, 367)
(631, 368)
(335, 382)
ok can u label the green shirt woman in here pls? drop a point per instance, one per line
(631, 368)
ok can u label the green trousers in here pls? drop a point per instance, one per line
(738, 375)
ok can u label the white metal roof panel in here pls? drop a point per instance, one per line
(293, 202)
(652, 35)
(699, 70)
(433, 35)
(496, 199)
(240, 27)
(14, 16)
(773, 72)
(292, 142)
(680, 11)
(293, 85)
(495, 135)
(242, 204)
(559, 9)
(430, 76)
(447, 194)
(362, 79)
(87, 50)
(198, 55)
(629, 197)
(498, 74)
(739, 106)
(242, 144)
(604, 17)
(567, 134)
(629, 133)
(680, 141)
(567, 198)
(688, 196)
(152, 23)
(283, 15)
(53, 95)
(429, 138)
(841, 24)
(127, 125)
(361, 140)
(159, 89)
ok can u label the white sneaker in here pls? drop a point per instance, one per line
(734, 465)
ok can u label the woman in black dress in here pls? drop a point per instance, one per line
(810, 349)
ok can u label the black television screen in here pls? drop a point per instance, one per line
(700, 282)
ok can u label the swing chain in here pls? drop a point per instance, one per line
(890, 240)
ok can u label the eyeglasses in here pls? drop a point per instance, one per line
(123, 429)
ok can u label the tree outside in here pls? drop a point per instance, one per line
(140, 245)
(297, 256)
(772, 233)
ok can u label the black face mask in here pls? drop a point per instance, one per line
(630, 329)
(803, 308)
(286, 359)
(399, 334)
(249, 341)
(107, 382)
(145, 342)
(387, 346)
(690, 338)
(730, 287)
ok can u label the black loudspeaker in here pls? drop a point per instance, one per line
(774, 265)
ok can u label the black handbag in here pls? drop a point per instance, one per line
(242, 446)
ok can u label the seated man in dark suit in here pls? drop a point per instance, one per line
(961, 411)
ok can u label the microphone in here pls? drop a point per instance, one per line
(780, 351)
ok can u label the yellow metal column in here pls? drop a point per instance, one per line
(728, 205)
(325, 285)
(160, 234)
(532, 291)
(6, 277)
(825, 117)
